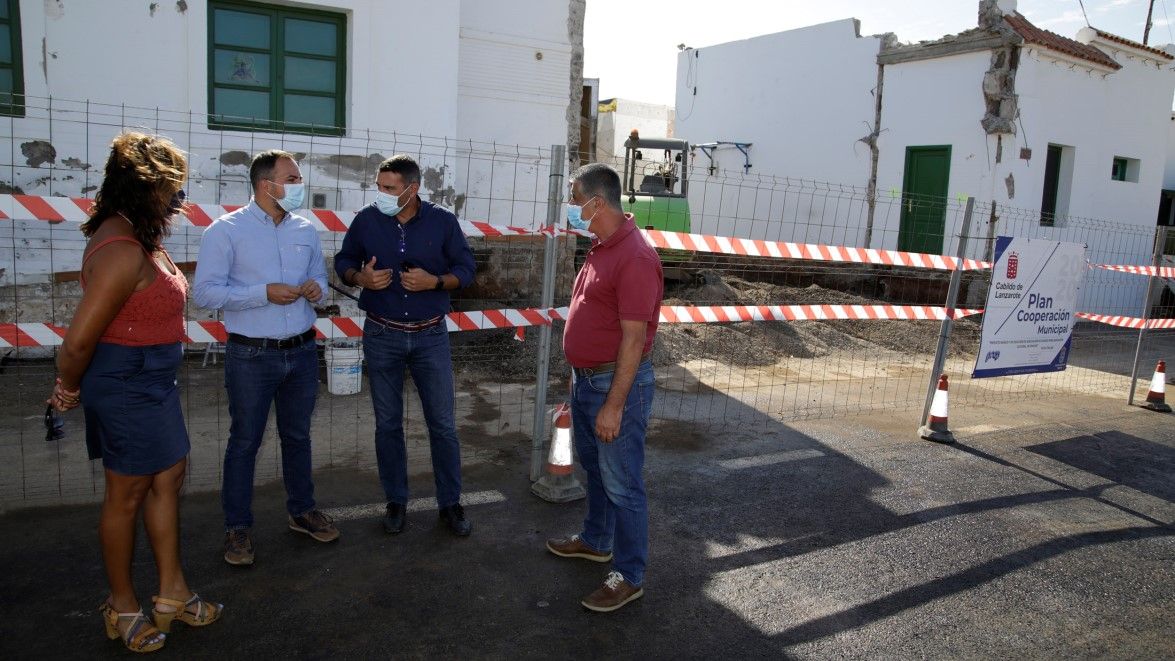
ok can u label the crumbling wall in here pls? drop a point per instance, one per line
(999, 83)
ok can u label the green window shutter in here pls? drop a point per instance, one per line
(275, 68)
(1118, 172)
(11, 62)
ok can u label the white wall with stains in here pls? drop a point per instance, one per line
(476, 91)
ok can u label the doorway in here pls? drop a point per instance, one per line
(924, 199)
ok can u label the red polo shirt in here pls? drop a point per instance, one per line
(621, 279)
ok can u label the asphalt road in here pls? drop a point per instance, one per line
(1046, 532)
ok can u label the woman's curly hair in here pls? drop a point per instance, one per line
(143, 172)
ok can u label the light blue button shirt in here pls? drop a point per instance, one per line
(244, 251)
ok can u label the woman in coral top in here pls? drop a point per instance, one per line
(119, 361)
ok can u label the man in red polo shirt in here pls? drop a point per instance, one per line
(615, 306)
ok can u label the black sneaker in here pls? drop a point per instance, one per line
(454, 517)
(394, 518)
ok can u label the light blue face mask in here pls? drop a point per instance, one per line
(295, 196)
(575, 217)
(388, 203)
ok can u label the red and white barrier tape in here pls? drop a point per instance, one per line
(1161, 271)
(46, 335)
(677, 314)
(807, 251)
(74, 209)
(1128, 322)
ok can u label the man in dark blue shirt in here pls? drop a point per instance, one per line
(407, 254)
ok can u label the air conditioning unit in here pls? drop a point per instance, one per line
(323, 198)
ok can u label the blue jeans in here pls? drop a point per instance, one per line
(427, 356)
(255, 378)
(617, 509)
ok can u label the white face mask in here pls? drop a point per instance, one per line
(388, 203)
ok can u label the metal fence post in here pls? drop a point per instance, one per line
(944, 335)
(554, 199)
(1160, 245)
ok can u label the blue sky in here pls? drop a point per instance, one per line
(631, 45)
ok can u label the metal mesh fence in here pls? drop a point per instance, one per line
(841, 362)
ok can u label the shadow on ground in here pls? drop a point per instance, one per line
(768, 540)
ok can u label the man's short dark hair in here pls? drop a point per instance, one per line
(599, 179)
(403, 165)
(263, 165)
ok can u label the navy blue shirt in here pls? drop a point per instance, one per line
(431, 240)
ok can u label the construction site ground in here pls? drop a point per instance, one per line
(794, 512)
(1044, 532)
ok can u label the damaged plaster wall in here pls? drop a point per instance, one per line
(575, 18)
(486, 106)
(999, 91)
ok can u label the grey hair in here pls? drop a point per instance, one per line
(599, 179)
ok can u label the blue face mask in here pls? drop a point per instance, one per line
(388, 203)
(295, 195)
(575, 217)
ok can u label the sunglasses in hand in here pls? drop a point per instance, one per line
(54, 424)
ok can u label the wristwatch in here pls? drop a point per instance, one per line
(440, 283)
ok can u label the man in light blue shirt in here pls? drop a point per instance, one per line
(263, 266)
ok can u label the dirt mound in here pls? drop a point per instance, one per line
(762, 343)
(741, 344)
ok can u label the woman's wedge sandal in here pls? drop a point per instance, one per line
(205, 613)
(140, 636)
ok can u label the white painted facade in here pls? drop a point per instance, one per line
(774, 91)
(613, 127)
(1169, 172)
(806, 111)
(476, 91)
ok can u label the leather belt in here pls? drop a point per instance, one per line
(270, 343)
(604, 368)
(406, 326)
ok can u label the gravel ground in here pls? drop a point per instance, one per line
(756, 343)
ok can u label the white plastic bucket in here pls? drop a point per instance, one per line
(344, 369)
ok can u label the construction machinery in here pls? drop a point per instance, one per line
(655, 182)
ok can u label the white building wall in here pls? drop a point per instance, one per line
(420, 80)
(652, 120)
(514, 90)
(1091, 112)
(802, 97)
(931, 103)
(1169, 171)
(805, 120)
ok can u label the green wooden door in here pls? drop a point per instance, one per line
(924, 199)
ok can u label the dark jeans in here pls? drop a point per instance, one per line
(255, 378)
(426, 355)
(617, 508)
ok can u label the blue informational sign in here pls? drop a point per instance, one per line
(1031, 307)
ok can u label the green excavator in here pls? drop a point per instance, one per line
(659, 199)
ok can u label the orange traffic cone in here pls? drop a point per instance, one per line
(936, 430)
(1155, 399)
(559, 484)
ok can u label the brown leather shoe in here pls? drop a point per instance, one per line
(316, 524)
(613, 594)
(238, 547)
(573, 547)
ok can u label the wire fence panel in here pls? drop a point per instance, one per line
(790, 299)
